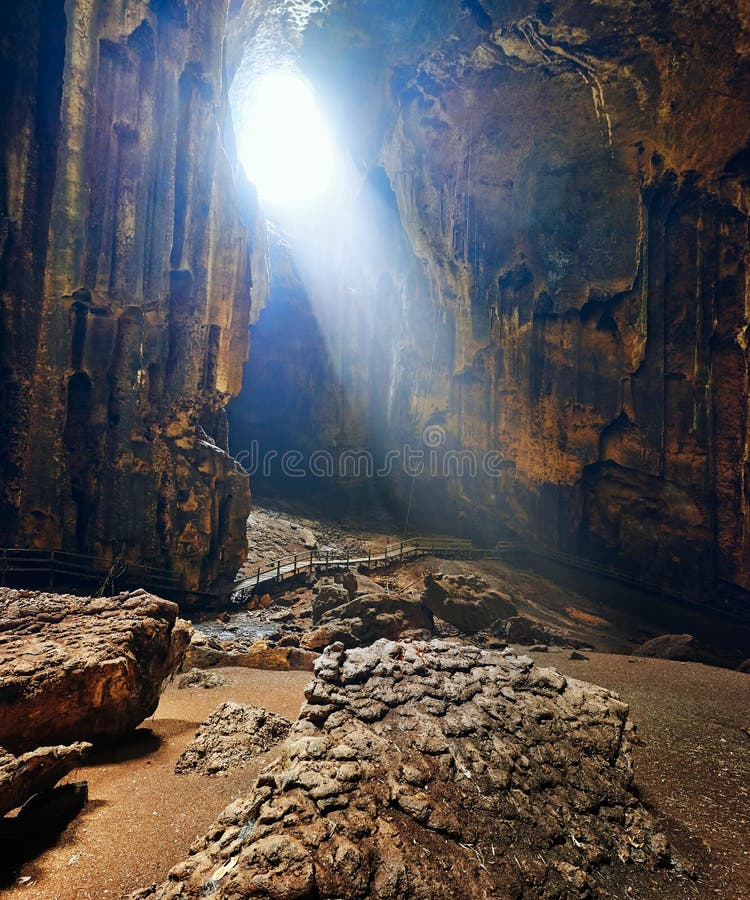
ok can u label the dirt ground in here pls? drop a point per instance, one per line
(141, 818)
(692, 768)
(692, 759)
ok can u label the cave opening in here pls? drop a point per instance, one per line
(311, 423)
(284, 143)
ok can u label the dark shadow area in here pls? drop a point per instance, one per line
(639, 615)
(143, 742)
(38, 826)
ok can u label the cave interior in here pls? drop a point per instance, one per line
(468, 271)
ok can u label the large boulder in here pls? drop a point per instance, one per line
(679, 647)
(82, 668)
(36, 772)
(342, 613)
(429, 770)
(466, 601)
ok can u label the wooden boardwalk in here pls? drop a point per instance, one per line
(61, 570)
(319, 563)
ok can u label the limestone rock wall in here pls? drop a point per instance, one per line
(125, 285)
(576, 190)
(572, 184)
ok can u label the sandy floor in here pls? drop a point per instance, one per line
(142, 818)
(692, 762)
(692, 767)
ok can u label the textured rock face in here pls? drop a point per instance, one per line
(431, 770)
(206, 653)
(466, 601)
(566, 276)
(36, 772)
(233, 734)
(125, 285)
(356, 617)
(82, 668)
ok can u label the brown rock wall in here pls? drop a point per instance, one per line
(125, 286)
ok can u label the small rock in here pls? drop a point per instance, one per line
(36, 772)
(233, 734)
(200, 678)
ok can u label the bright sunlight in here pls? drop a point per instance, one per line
(284, 146)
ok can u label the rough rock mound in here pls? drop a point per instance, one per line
(343, 613)
(466, 601)
(232, 735)
(35, 772)
(432, 770)
(199, 678)
(82, 668)
(207, 653)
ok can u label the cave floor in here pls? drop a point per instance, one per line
(692, 760)
(692, 766)
(141, 818)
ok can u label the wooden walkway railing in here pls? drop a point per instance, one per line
(60, 567)
(315, 563)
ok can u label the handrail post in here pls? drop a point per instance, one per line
(278, 569)
(295, 565)
(347, 559)
(328, 554)
(369, 557)
(257, 580)
(385, 556)
(311, 562)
